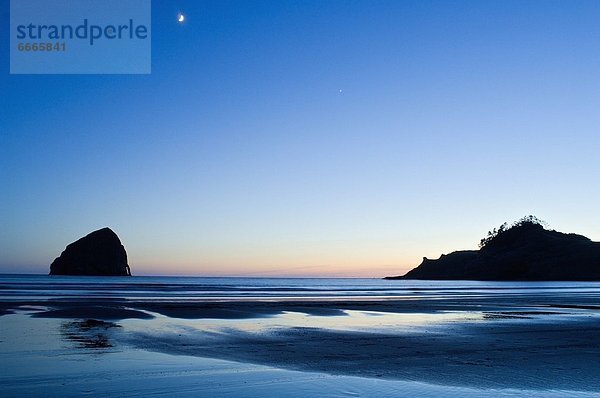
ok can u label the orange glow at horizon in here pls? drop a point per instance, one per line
(314, 259)
(275, 267)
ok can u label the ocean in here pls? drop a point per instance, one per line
(19, 287)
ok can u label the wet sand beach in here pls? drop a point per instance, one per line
(480, 339)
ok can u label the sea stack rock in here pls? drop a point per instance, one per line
(100, 253)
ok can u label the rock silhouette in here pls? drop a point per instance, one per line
(98, 253)
(525, 252)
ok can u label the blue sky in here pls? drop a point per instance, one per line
(329, 138)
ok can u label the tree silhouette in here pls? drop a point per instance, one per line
(527, 220)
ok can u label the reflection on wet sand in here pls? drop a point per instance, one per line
(90, 333)
(518, 350)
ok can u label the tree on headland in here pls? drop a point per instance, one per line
(527, 220)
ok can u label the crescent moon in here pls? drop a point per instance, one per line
(180, 17)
